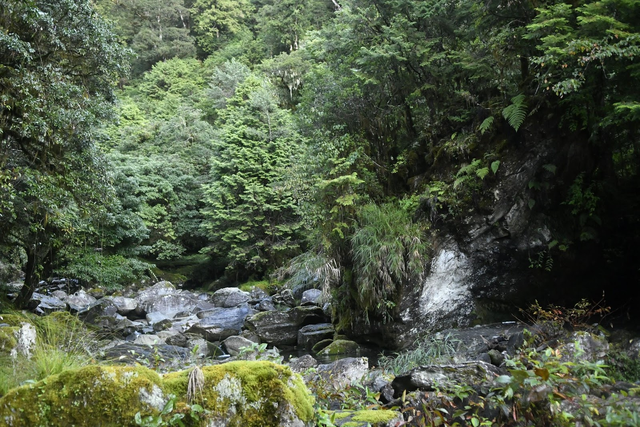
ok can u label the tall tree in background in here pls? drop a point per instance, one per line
(58, 62)
(155, 30)
(250, 216)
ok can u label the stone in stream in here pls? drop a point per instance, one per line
(229, 297)
(274, 327)
(310, 335)
(220, 323)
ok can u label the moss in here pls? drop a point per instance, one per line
(8, 338)
(16, 319)
(321, 345)
(365, 417)
(340, 347)
(91, 396)
(248, 393)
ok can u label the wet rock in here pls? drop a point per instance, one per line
(170, 304)
(310, 335)
(102, 312)
(47, 304)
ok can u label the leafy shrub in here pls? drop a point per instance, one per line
(109, 271)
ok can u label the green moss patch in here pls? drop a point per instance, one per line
(247, 394)
(373, 418)
(91, 396)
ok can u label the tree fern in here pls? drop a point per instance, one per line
(516, 112)
(486, 124)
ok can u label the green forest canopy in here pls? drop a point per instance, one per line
(280, 136)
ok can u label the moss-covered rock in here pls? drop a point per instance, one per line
(247, 394)
(365, 418)
(91, 396)
(340, 347)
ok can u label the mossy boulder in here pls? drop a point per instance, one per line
(247, 394)
(91, 396)
(340, 347)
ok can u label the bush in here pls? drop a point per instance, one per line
(108, 271)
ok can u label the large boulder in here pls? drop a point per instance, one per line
(170, 304)
(274, 327)
(220, 323)
(47, 303)
(229, 297)
(92, 396)
(79, 301)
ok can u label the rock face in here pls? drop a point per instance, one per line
(251, 394)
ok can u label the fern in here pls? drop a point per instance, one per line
(486, 124)
(516, 112)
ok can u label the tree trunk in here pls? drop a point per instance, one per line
(31, 279)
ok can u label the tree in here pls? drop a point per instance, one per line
(156, 30)
(58, 63)
(250, 216)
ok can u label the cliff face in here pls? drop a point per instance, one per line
(544, 227)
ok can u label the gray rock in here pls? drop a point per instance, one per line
(47, 303)
(60, 295)
(344, 373)
(310, 335)
(311, 296)
(155, 317)
(229, 297)
(79, 301)
(265, 305)
(148, 339)
(585, 346)
(179, 340)
(170, 304)
(234, 344)
(221, 323)
(444, 377)
(274, 327)
(302, 363)
(125, 305)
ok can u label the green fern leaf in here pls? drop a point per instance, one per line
(516, 112)
(486, 124)
(482, 172)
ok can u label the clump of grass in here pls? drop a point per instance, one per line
(425, 351)
(62, 343)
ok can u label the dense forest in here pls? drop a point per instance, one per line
(327, 142)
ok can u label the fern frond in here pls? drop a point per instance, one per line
(516, 112)
(486, 124)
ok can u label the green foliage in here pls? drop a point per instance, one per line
(250, 215)
(59, 63)
(62, 343)
(516, 112)
(155, 30)
(428, 350)
(108, 271)
(388, 251)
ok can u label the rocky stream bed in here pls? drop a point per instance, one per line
(168, 356)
